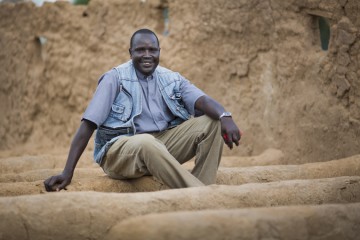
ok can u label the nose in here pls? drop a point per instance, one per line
(147, 53)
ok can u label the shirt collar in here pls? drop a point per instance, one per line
(142, 76)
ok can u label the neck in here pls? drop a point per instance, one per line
(141, 75)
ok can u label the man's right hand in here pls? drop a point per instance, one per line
(81, 139)
(57, 183)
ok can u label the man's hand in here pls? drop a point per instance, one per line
(58, 182)
(81, 139)
(230, 132)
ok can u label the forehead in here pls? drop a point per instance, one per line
(145, 39)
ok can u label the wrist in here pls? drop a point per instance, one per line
(224, 114)
(68, 173)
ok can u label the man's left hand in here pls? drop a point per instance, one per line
(230, 132)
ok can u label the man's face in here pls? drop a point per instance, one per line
(145, 53)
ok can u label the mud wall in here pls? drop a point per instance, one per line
(260, 59)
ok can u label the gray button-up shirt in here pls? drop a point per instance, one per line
(155, 115)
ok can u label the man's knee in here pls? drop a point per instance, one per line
(141, 141)
(209, 124)
(148, 149)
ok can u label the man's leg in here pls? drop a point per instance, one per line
(199, 136)
(139, 155)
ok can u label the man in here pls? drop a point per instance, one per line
(143, 116)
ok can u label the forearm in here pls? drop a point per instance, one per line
(78, 146)
(210, 107)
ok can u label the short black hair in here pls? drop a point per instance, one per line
(143, 30)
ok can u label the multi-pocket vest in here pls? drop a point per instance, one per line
(128, 104)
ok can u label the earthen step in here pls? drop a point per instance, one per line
(332, 221)
(90, 215)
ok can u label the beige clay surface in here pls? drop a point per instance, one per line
(94, 179)
(83, 215)
(296, 173)
(291, 222)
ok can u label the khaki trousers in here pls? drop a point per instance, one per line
(161, 154)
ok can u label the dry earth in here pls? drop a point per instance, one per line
(296, 174)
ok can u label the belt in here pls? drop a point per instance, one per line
(123, 130)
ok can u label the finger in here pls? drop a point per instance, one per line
(47, 187)
(239, 134)
(47, 184)
(52, 181)
(225, 137)
(47, 181)
(229, 144)
(236, 139)
(227, 141)
(62, 186)
(55, 180)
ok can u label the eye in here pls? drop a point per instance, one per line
(140, 50)
(153, 50)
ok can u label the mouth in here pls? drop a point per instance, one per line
(147, 64)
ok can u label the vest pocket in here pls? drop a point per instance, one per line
(176, 97)
(118, 112)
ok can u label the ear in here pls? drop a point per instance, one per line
(130, 53)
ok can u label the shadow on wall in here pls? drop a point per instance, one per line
(324, 28)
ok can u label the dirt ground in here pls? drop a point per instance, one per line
(297, 105)
(261, 59)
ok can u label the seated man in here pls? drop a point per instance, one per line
(143, 114)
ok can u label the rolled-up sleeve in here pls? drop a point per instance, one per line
(103, 98)
(190, 94)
